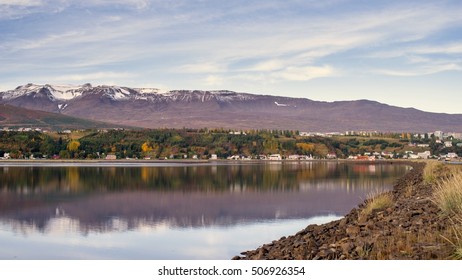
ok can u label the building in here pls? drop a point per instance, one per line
(6, 156)
(111, 157)
(275, 157)
(424, 155)
(331, 156)
(213, 157)
(294, 157)
(451, 155)
(438, 134)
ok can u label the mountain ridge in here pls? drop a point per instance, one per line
(153, 108)
(11, 116)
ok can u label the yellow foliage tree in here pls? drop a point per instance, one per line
(307, 147)
(146, 147)
(73, 146)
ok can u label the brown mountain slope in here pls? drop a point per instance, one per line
(11, 116)
(225, 109)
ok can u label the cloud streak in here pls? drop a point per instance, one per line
(227, 43)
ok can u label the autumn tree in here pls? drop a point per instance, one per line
(73, 146)
(146, 147)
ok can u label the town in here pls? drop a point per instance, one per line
(215, 144)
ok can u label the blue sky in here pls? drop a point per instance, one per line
(404, 53)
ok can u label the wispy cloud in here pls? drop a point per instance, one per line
(227, 43)
(305, 73)
(421, 70)
(21, 3)
(204, 67)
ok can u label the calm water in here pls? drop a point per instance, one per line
(168, 211)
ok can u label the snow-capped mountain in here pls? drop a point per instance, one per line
(69, 92)
(62, 93)
(153, 108)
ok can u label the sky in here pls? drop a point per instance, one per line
(402, 53)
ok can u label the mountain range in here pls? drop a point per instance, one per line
(152, 108)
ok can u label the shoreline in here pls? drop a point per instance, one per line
(192, 161)
(400, 231)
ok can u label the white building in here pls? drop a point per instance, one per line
(424, 155)
(451, 155)
(294, 157)
(448, 144)
(438, 134)
(275, 157)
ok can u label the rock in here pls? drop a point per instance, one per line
(392, 233)
(352, 230)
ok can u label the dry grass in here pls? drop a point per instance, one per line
(458, 243)
(402, 244)
(448, 194)
(409, 191)
(455, 238)
(378, 202)
(431, 171)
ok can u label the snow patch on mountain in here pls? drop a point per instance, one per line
(60, 93)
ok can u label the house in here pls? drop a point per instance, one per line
(213, 157)
(237, 133)
(412, 156)
(235, 157)
(448, 144)
(424, 155)
(438, 134)
(331, 156)
(6, 156)
(387, 154)
(275, 157)
(294, 157)
(111, 157)
(451, 155)
(423, 145)
(310, 157)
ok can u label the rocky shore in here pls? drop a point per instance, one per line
(412, 227)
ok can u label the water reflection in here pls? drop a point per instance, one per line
(90, 201)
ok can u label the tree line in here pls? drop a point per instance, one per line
(186, 143)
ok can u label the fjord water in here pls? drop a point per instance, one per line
(173, 211)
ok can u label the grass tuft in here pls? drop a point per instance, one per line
(432, 171)
(377, 203)
(448, 194)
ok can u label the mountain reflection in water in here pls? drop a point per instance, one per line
(101, 199)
